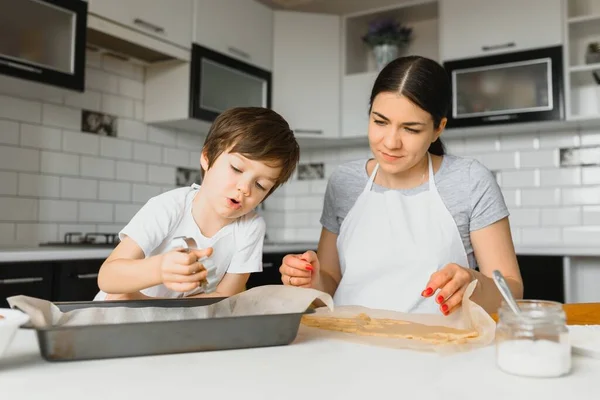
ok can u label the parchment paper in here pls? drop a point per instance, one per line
(273, 299)
(469, 316)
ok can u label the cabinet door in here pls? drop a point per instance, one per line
(32, 279)
(167, 20)
(306, 72)
(239, 29)
(543, 277)
(270, 274)
(470, 28)
(77, 280)
(356, 90)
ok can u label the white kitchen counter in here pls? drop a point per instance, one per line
(49, 253)
(306, 369)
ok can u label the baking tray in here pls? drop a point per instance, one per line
(163, 337)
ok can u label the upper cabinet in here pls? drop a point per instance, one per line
(170, 21)
(471, 28)
(239, 29)
(307, 72)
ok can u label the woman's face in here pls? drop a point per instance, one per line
(400, 132)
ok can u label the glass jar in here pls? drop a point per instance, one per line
(535, 343)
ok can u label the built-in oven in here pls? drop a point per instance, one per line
(506, 88)
(219, 82)
(43, 41)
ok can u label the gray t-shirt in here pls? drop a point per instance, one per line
(467, 188)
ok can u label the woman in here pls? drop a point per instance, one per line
(406, 230)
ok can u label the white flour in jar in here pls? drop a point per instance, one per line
(535, 358)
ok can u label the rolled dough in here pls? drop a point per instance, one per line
(364, 325)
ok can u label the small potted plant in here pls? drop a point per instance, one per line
(385, 37)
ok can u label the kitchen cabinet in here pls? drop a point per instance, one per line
(76, 280)
(356, 90)
(239, 29)
(69, 280)
(270, 274)
(307, 72)
(170, 21)
(472, 28)
(543, 277)
(32, 279)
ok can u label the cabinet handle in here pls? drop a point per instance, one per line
(268, 264)
(148, 25)
(498, 46)
(311, 131)
(21, 66)
(87, 276)
(16, 281)
(238, 52)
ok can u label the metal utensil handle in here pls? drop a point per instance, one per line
(505, 291)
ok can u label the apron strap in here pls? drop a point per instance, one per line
(432, 186)
(371, 179)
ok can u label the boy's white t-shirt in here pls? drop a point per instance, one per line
(237, 247)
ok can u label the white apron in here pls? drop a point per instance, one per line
(390, 244)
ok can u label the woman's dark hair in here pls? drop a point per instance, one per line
(422, 81)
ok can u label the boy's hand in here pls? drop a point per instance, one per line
(181, 271)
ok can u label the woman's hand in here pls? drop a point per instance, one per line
(452, 280)
(300, 270)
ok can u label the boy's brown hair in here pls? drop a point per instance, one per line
(257, 133)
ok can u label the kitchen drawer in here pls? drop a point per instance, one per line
(77, 280)
(28, 279)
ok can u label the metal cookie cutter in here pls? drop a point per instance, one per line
(187, 243)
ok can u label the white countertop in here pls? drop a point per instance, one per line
(48, 253)
(305, 369)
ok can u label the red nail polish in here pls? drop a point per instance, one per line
(309, 267)
(427, 292)
(445, 308)
(440, 299)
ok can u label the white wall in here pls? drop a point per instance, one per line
(55, 179)
(550, 205)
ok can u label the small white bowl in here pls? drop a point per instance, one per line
(12, 320)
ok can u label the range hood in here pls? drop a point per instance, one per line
(125, 43)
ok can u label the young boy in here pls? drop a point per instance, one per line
(248, 153)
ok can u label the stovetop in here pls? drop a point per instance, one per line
(78, 239)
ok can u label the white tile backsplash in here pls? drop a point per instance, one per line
(8, 183)
(114, 191)
(78, 188)
(81, 143)
(16, 109)
(61, 117)
(57, 179)
(34, 185)
(97, 167)
(116, 148)
(9, 132)
(59, 163)
(95, 212)
(582, 236)
(539, 159)
(19, 159)
(130, 171)
(41, 137)
(150, 153)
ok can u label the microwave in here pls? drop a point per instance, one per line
(507, 88)
(43, 42)
(219, 82)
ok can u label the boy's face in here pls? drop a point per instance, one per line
(235, 184)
